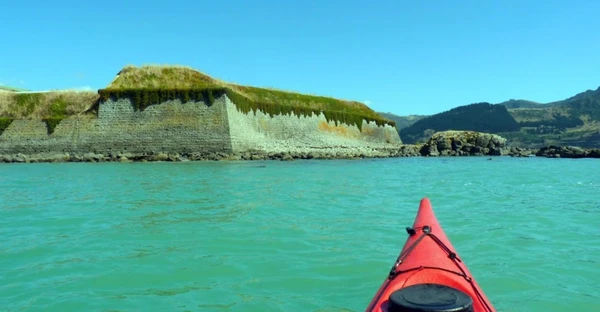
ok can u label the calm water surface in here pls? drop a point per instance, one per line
(290, 236)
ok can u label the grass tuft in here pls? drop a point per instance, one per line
(4, 123)
(44, 105)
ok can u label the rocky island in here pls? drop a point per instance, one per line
(472, 143)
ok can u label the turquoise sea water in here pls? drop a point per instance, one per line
(290, 236)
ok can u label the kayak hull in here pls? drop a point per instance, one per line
(428, 259)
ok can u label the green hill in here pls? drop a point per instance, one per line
(481, 117)
(585, 105)
(572, 121)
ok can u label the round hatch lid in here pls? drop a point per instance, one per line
(430, 298)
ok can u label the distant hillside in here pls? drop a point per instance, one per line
(573, 121)
(403, 121)
(481, 117)
(522, 104)
(585, 104)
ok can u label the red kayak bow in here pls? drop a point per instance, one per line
(428, 275)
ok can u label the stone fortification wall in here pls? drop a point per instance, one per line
(31, 136)
(193, 127)
(285, 133)
(170, 127)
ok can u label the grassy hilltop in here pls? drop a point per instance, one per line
(51, 107)
(149, 85)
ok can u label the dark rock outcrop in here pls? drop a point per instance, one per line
(464, 143)
(521, 152)
(568, 152)
(409, 150)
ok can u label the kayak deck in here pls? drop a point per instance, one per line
(428, 274)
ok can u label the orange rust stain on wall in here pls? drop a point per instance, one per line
(339, 129)
(263, 124)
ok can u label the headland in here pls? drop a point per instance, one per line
(150, 111)
(176, 113)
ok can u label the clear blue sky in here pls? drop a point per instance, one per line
(404, 57)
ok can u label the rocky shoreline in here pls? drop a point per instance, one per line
(403, 151)
(441, 144)
(219, 156)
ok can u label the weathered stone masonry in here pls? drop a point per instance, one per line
(173, 127)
